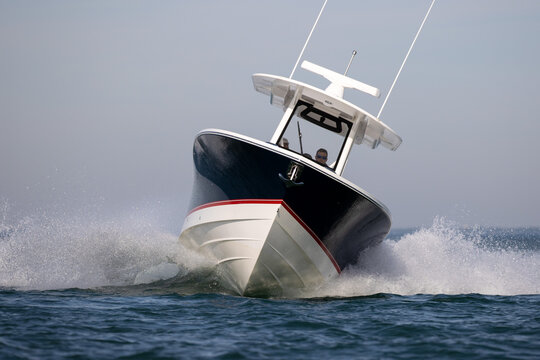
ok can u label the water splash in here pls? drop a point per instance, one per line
(56, 252)
(441, 259)
(45, 253)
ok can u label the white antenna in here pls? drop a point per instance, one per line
(406, 56)
(309, 36)
(350, 62)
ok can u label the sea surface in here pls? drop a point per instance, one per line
(73, 289)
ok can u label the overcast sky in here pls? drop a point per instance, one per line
(100, 100)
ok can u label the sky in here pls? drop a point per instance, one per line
(100, 101)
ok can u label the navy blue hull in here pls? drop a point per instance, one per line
(344, 219)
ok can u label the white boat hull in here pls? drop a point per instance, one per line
(260, 246)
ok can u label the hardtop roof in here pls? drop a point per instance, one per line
(283, 91)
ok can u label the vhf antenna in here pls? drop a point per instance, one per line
(406, 56)
(309, 37)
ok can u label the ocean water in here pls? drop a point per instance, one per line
(126, 289)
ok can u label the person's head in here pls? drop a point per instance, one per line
(285, 143)
(322, 156)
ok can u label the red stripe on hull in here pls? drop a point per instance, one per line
(286, 207)
(233, 202)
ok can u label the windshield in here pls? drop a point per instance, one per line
(315, 134)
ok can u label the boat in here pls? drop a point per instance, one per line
(276, 220)
(277, 217)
